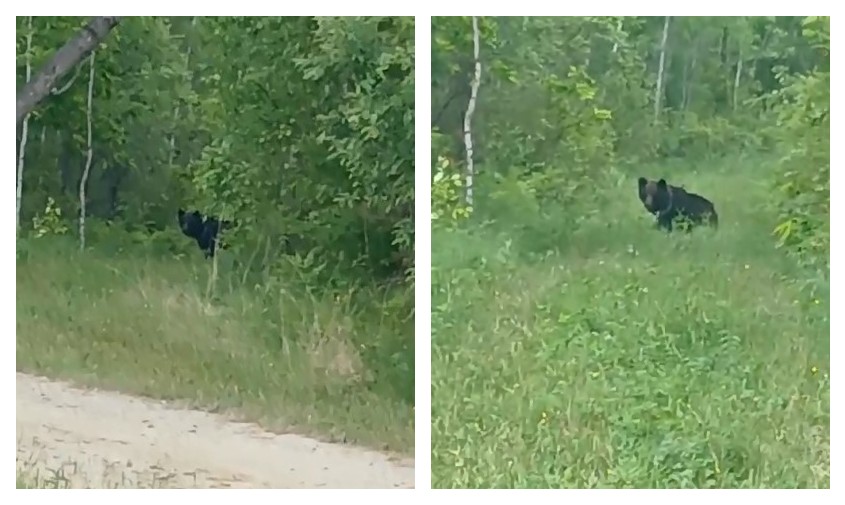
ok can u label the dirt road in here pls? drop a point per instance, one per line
(105, 439)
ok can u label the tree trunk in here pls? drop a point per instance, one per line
(84, 181)
(74, 51)
(476, 81)
(737, 79)
(659, 87)
(24, 131)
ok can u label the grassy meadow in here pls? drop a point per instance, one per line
(333, 362)
(580, 347)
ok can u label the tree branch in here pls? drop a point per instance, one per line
(74, 51)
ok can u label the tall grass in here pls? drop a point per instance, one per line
(605, 353)
(333, 362)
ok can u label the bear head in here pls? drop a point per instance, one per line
(655, 195)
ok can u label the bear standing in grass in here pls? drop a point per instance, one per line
(669, 202)
(203, 230)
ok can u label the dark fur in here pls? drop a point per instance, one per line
(668, 202)
(202, 229)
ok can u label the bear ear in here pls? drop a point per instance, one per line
(661, 183)
(642, 181)
(181, 212)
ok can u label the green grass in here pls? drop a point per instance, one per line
(334, 363)
(626, 357)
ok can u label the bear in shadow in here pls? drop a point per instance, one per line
(668, 202)
(202, 229)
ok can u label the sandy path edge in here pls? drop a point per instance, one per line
(106, 439)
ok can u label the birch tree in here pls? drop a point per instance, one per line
(737, 79)
(476, 81)
(658, 89)
(83, 183)
(24, 130)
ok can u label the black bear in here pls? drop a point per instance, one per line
(669, 202)
(203, 229)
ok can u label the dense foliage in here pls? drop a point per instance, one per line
(567, 102)
(300, 128)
